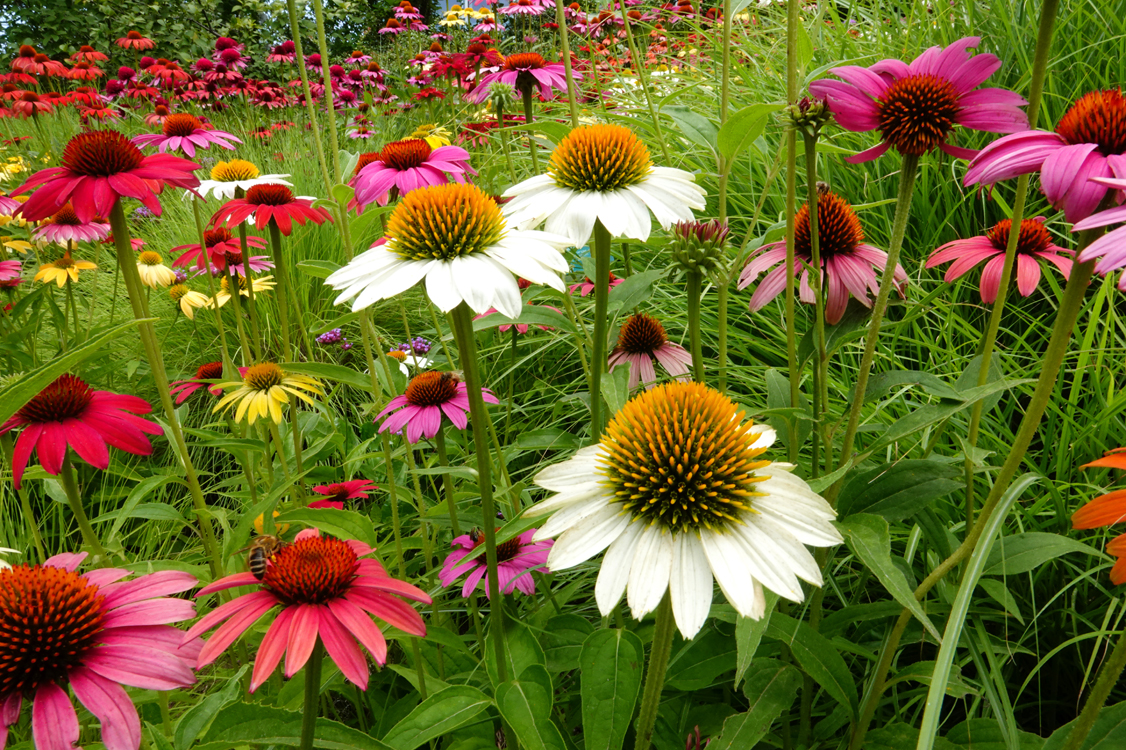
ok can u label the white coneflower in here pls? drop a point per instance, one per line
(676, 493)
(455, 238)
(236, 174)
(603, 172)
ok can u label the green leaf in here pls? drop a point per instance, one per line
(556, 131)
(743, 128)
(850, 327)
(885, 381)
(441, 713)
(611, 662)
(899, 490)
(522, 650)
(563, 640)
(526, 705)
(695, 127)
(1108, 732)
(529, 315)
(348, 162)
(700, 661)
(923, 671)
(634, 290)
(748, 634)
(778, 397)
(15, 395)
(549, 438)
(346, 524)
(320, 269)
(900, 736)
(1000, 593)
(615, 388)
(986, 734)
(342, 194)
(199, 717)
(337, 373)
(142, 489)
(818, 657)
(146, 511)
(869, 539)
(263, 725)
(771, 687)
(1021, 553)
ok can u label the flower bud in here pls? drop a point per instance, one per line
(698, 245)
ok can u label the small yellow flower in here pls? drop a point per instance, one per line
(263, 390)
(223, 296)
(153, 271)
(435, 135)
(187, 299)
(260, 523)
(22, 245)
(64, 269)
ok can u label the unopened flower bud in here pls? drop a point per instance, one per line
(698, 245)
(809, 115)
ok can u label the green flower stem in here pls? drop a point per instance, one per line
(639, 66)
(160, 377)
(297, 449)
(283, 288)
(224, 352)
(793, 22)
(1108, 678)
(513, 354)
(821, 365)
(907, 173)
(1036, 91)
(467, 358)
(319, 14)
(722, 297)
(694, 294)
(73, 308)
(565, 53)
(236, 306)
(498, 102)
(280, 449)
(1068, 313)
(655, 674)
(74, 500)
(447, 481)
(255, 335)
(601, 301)
(295, 34)
(627, 260)
(528, 117)
(25, 503)
(312, 697)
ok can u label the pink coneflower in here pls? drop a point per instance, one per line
(97, 168)
(1110, 249)
(517, 559)
(95, 633)
(10, 269)
(183, 389)
(429, 396)
(135, 40)
(361, 133)
(233, 261)
(326, 589)
(88, 54)
(232, 58)
(218, 243)
(850, 266)
(522, 7)
(521, 328)
(69, 413)
(266, 202)
(525, 71)
(405, 10)
(403, 166)
(392, 27)
(915, 107)
(286, 52)
(313, 62)
(1070, 160)
(64, 226)
(159, 114)
(184, 132)
(586, 286)
(336, 493)
(1034, 242)
(642, 340)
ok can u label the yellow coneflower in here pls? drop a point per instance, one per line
(62, 270)
(262, 391)
(152, 270)
(223, 296)
(435, 135)
(187, 299)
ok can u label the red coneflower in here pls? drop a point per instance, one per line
(183, 389)
(25, 57)
(266, 202)
(135, 40)
(336, 493)
(88, 54)
(219, 242)
(30, 104)
(83, 71)
(99, 167)
(1107, 510)
(327, 589)
(98, 111)
(69, 413)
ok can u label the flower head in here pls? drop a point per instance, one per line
(153, 272)
(455, 238)
(326, 588)
(525, 72)
(183, 389)
(259, 285)
(1110, 249)
(403, 166)
(916, 106)
(641, 341)
(135, 40)
(218, 244)
(673, 512)
(70, 414)
(586, 286)
(237, 174)
(1107, 510)
(603, 172)
(1033, 242)
(263, 389)
(64, 227)
(62, 270)
(268, 203)
(517, 559)
(10, 270)
(429, 396)
(338, 492)
(849, 266)
(94, 633)
(184, 132)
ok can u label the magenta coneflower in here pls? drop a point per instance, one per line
(95, 633)
(135, 40)
(313, 63)
(915, 107)
(326, 589)
(1034, 242)
(403, 166)
(517, 559)
(641, 341)
(64, 227)
(525, 71)
(97, 168)
(1070, 160)
(336, 493)
(392, 27)
(286, 52)
(218, 243)
(586, 286)
(429, 396)
(1110, 249)
(184, 132)
(10, 269)
(232, 58)
(183, 389)
(522, 8)
(850, 266)
(266, 202)
(70, 414)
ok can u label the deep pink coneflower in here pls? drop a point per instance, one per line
(429, 397)
(525, 71)
(403, 166)
(269, 201)
(183, 389)
(517, 559)
(184, 132)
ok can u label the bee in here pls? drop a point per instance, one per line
(261, 550)
(455, 376)
(474, 535)
(823, 187)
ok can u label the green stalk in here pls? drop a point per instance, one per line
(1108, 678)
(447, 481)
(898, 228)
(565, 53)
(255, 336)
(526, 93)
(655, 674)
(276, 435)
(792, 25)
(74, 500)
(295, 33)
(467, 358)
(283, 288)
(821, 366)
(319, 14)
(312, 697)
(498, 102)
(160, 377)
(694, 294)
(601, 300)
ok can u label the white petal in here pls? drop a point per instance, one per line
(574, 218)
(395, 281)
(766, 435)
(690, 584)
(539, 181)
(574, 514)
(614, 574)
(806, 528)
(767, 561)
(440, 287)
(649, 574)
(725, 556)
(793, 553)
(572, 472)
(566, 499)
(523, 263)
(587, 538)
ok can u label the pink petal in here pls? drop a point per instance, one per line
(121, 726)
(54, 722)
(139, 666)
(342, 649)
(1028, 274)
(303, 634)
(361, 626)
(272, 648)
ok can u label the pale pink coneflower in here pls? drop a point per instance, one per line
(517, 559)
(643, 341)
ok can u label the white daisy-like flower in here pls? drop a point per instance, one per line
(153, 272)
(236, 174)
(603, 172)
(676, 494)
(455, 238)
(4, 565)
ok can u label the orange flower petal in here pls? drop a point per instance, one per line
(1112, 460)
(1102, 511)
